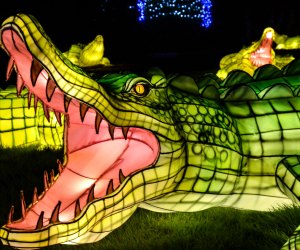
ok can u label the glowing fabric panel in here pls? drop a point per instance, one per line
(168, 144)
(23, 123)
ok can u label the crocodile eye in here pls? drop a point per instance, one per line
(141, 89)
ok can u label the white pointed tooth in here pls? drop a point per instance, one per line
(10, 67)
(20, 84)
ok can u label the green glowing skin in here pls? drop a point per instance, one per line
(210, 142)
(22, 126)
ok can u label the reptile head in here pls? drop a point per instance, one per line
(117, 127)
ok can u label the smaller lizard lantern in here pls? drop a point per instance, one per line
(88, 55)
(259, 53)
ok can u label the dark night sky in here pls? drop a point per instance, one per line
(126, 40)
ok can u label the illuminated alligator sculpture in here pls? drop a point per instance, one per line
(259, 53)
(164, 144)
(88, 55)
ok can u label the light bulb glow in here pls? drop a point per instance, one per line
(195, 10)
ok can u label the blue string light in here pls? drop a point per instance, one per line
(141, 5)
(194, 10)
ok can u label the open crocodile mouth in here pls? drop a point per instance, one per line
(262, 55)
(99, 156)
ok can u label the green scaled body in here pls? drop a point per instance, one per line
(168, 144)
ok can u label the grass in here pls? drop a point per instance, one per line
(216, 228)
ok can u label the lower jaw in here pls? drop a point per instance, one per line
(86, 169)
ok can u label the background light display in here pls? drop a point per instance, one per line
(194, 10)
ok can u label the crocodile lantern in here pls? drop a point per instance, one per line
(163, 143)
(260, 53)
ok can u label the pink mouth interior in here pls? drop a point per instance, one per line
(93, 159)
(263, 55)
